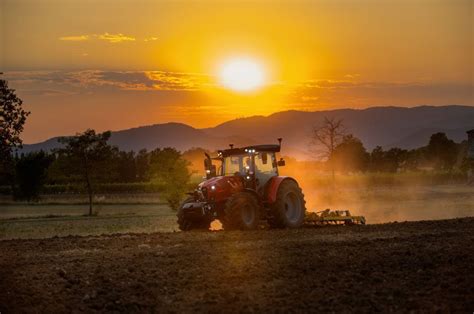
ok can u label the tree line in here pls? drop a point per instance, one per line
(345, 153)
(87, 159)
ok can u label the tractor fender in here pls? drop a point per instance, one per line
(272, 188)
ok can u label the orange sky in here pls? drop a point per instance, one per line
(119, 64)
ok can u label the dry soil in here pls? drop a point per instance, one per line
(415, 266)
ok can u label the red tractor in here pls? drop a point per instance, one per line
(244, 190)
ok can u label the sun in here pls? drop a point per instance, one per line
(242, 75)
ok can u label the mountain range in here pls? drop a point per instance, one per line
(385, 126)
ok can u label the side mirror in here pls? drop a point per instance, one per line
(213, 171)
(264, 158)
(210, 168)
(281, 162)
(207, 164)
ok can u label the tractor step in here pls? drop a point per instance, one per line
(333, 217)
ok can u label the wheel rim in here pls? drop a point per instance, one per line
(292, 207)
(248, 215)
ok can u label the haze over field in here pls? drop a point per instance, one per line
(122, 64)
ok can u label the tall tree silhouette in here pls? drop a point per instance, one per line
(31, 173)
(350, 155)
(12, 120)
(441, 151)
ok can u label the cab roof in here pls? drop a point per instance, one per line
(244, 150)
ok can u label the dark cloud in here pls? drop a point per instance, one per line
(356, 94)
(96, 79)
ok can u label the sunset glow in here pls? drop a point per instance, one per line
(206, 62)
(242, 75)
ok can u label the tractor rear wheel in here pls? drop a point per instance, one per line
(186, 223)
(289, 209)
(242, 212)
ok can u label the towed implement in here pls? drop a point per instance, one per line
(333, 217)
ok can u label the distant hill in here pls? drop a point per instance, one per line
(384, 126)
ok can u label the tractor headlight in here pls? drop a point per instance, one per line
(213, 187)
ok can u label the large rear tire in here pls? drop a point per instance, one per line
(242, 212)
(289, 209)
(186, 223)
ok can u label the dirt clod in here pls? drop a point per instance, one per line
(62, 273)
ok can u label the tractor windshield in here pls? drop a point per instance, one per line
(236, 164)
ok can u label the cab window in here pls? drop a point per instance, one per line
(264, 167)
(236, 164)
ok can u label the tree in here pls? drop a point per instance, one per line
(387, 161)
(169, 167)
(326, 137)
(12, 120)
(126, 166)
(31, 172)
(377, 159)
(142, 161)
(89, 156)
(350, 155)
(395, 159)
(441, 151)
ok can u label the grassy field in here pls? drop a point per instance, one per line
(64, 215)
(43, 221)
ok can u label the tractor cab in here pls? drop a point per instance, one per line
(255, 164)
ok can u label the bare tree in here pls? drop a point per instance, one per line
(326, 137)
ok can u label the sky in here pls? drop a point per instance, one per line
(116, 64)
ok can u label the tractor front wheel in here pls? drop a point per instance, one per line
(289, 209)
(186, 222)
(242, 212)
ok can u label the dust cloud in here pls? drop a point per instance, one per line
(382, 197)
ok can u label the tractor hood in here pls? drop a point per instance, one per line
(219, 188)
(212, 181)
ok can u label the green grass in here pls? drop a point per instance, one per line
(64, 220)
(79, 199)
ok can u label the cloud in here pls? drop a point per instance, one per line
(111, 38)
(115, 38)
(150, 39)
(97, 80)
(345, 93)
(309, 95)
(75, 38)
(178, 81)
